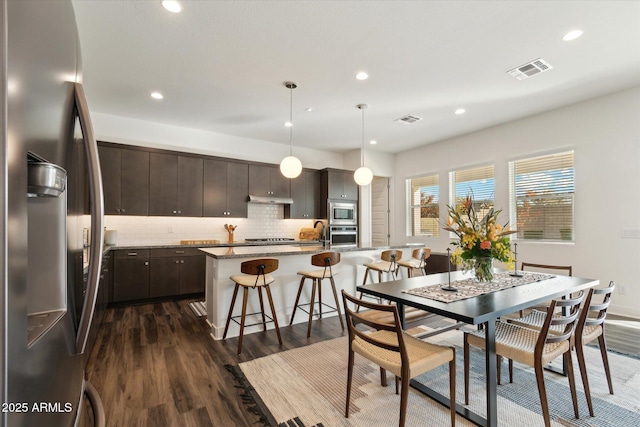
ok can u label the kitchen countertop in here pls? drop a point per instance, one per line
(281, 250)
(216, 245)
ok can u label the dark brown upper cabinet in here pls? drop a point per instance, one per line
(339, 184)
(125, 178)
(305, 192)
(176, 185)
(226, 188)
(268, 181)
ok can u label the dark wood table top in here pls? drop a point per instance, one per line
(482, 308)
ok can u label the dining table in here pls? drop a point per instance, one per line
(484, 309)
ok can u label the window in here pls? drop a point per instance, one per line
(475, 182)
(541, 197)
(424, 212)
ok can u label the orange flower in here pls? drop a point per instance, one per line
(467, 202)
(485, 245)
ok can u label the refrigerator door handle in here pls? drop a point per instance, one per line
(97, 218)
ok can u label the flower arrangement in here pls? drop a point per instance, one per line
(481, 240)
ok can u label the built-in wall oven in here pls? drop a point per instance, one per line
(342, 213)
(343, 235)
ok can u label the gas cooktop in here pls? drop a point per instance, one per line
(271, 239)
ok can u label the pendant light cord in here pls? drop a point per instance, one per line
(362, 152)
(291, 120)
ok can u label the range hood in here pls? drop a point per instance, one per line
(270, 200)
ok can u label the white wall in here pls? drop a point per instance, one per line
(605, 134)
(157, 135)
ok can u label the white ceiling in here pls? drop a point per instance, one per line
(221, 65)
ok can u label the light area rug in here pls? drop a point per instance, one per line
(307, 386)
(198, 308)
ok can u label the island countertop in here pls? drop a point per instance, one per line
(282, 250)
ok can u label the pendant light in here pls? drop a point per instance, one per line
(290, 166)
(363, 174)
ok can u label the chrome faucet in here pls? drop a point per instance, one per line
(323, 233)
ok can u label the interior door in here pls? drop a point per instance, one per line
(380, 212)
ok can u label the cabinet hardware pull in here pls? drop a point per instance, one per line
(132, 254)
(146, 263)
(181, 261)
(179, 252)
(177, 262)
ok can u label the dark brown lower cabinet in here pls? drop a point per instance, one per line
(130, 275)
(192, 274)
(164, 277)
(437, 263)
(104, 295)
(155, 273)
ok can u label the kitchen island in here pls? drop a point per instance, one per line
(225, 262)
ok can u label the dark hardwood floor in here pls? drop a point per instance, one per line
(157, 365)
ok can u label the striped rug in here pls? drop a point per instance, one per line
(198, 308)
(306, 387)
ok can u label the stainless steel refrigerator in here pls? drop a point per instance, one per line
(50, 192)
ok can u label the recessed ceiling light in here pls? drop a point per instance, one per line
(308, 109)
(288, 124)
(156, 95)
(362, 75)
(572, 35)
(460, 111)
(373, 142)
(172, 6)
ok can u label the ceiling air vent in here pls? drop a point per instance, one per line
(408, 119)
(530, 69)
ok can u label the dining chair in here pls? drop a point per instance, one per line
(590, 326)
(533, 348)
(545, 268)
(418, 261)
(393, 350)
(256, 275)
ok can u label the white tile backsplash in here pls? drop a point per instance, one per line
(263, 221)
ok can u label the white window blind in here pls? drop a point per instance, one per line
(542, 197)
(424, 212)
(475, 182)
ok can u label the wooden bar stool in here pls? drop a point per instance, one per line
(388, 264)
(325, 260)
(418, 260)
(256, 276)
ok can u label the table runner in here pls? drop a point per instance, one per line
(470, 287)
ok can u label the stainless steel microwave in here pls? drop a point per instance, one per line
(343, 213)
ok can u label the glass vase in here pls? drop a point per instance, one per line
(483, 269)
